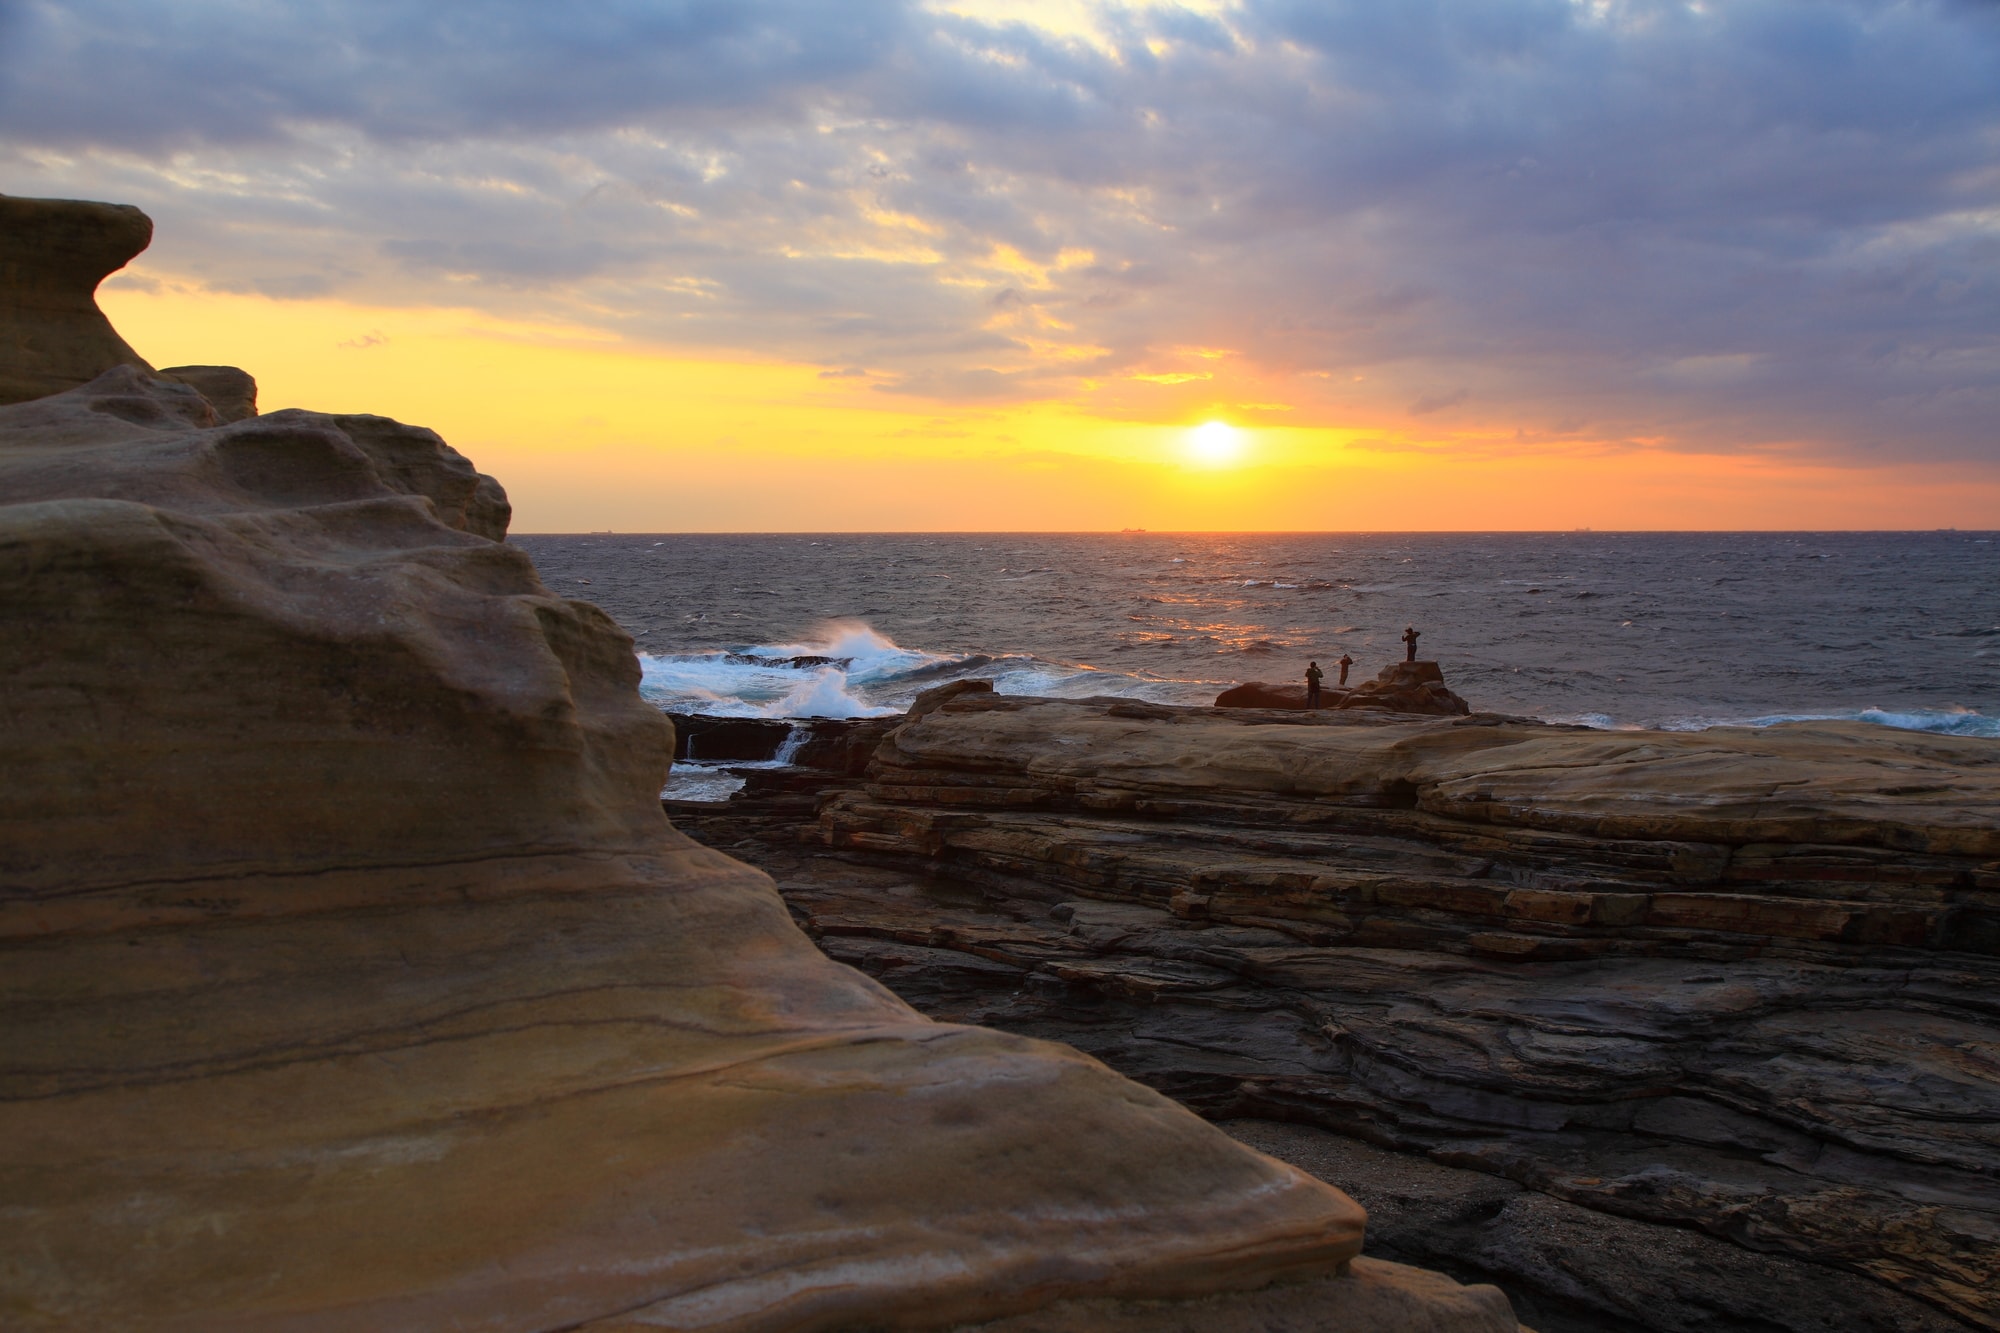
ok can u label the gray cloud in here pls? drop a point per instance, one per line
(1724, 226)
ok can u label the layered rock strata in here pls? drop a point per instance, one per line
(53, 253)
(230, 391)
(1745, 982)
(351, 977)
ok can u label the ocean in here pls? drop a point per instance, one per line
(1674, 630)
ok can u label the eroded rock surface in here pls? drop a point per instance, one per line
(351, 977)
(1741, 983)
(230, 391)
(53, 253)
(1407, 687)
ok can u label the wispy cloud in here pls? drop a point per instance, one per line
(1723, 225)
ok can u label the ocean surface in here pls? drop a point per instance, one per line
(1608, 629)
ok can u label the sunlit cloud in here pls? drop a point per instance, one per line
(1501, 229)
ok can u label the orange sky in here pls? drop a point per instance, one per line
(589, 433)
(878, 265)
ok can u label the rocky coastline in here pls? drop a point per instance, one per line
(352, 977)
(353, 972)
(1656, 1030)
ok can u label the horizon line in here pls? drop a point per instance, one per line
(1268, 532)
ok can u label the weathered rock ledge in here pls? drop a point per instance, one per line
(1740, 984)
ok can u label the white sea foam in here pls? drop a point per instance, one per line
(848, 670)
(699, 782)
(1940, 721)
(851, 670)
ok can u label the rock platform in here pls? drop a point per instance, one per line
(1738, 989)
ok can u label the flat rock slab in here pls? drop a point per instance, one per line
(1739, 983)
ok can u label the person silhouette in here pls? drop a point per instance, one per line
(1344, 663)
(1313, 677)
(1410, 637)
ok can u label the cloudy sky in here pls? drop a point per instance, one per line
(857, 264)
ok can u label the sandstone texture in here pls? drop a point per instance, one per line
(53, 253)
(351, 976)
(1721, 1003)
(230, 391)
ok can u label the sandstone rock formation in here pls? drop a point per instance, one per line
(1407, 687)
(230, 391)
(1726, 1004)
(351, 977)
(53, 253)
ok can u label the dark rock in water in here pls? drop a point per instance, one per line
(1260, 694)
(842, 745)
(1715, 1011)
(829, 745)
(53, 253)
(714, 740)
(934, 698)
(970, 662)
(800, 662)
(231, 392)
(1407, 687)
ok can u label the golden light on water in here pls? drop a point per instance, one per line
(1215, 444)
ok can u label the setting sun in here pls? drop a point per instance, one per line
(1215, 444)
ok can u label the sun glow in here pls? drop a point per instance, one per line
(1215, 444)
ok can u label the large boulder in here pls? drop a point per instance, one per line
(1286, 698)
(352, 977)
(1407, 687)
(53, 253)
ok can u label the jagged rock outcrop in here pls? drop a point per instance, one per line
(1407, 687)
(230, 391)
(351, 977)
(937, 696)
(1742, 985)
(53, 253)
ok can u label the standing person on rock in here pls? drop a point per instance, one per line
(1344, 663)
(1313, 677)
(1410, 637)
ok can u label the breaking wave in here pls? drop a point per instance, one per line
(849, 669)
(1938, 721)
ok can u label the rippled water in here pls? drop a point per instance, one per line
(1614, 629)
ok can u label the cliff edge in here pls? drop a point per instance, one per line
(53, 253)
